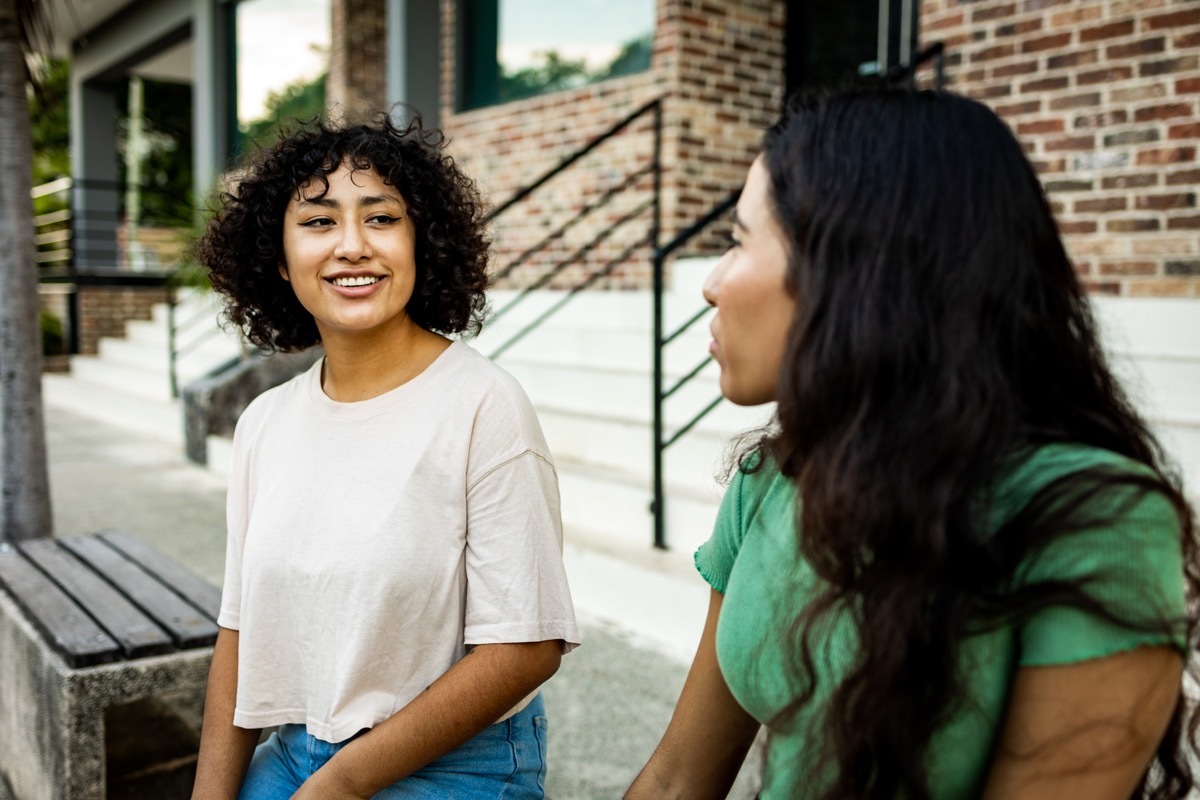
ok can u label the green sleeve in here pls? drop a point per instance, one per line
(1133, 565)
(714, 559)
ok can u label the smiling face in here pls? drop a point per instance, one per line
(748, 287)
(349, 254)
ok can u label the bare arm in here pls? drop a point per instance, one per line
(472, 694)
(1085, 730)
(225, 750)
(709, 734)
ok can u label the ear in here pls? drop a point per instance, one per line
(283, 273)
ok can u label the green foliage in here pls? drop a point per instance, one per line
(634, 56)
(49, 117)
(53, 341)
(298, 102)
(555, 73)
(167, 176)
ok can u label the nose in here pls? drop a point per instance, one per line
(353, 244)
(712, 284)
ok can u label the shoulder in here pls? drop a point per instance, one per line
(1092, 478)
(274, 400)
(761, 491)
(502, 418)
(489, 387)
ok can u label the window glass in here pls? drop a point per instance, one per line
(281, 61)
(833, 43)
(520, 48)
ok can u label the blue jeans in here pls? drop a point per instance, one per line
(505, 760)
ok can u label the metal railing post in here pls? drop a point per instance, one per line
(172, 357)
(659, 504)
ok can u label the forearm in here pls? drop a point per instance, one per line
(225, 750)
(708, 736)
(471, 695)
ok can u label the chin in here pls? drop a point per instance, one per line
(746, 396)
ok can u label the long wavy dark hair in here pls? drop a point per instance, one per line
(242, 247)
(940, 328)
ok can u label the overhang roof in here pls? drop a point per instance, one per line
(70, 19)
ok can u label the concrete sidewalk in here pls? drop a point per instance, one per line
(608, 705)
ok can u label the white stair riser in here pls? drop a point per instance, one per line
(622, 511)
(610, 350)
(155, 356)
(621, 395)
(1166, 390)
(693, 461)
(148, 384)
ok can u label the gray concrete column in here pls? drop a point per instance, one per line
(211, 103)
(414, 68)
(94, 165)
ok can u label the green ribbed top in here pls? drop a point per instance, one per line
(1135, 565)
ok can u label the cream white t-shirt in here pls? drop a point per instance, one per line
(371, 543)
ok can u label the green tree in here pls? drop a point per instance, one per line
(167, 166)
(634, 56)
(49, 117)
(24, 484)
(553, 74)
(299, 102)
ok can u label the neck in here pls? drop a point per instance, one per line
(362, 366)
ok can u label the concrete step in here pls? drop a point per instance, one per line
(628, 349)
(1165, 388)
(627, 446)
(155, 356)
(616, 506)
(160, 418)
(622, 394)
(121, 378)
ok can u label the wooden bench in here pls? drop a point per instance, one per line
(91, 627)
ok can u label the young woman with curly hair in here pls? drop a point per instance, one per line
(957, 565)
(394, 589)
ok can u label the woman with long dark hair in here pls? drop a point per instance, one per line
(957, 565)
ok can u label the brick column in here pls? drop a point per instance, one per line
(357, 81)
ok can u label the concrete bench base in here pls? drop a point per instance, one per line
(105, 644)
(52, 717)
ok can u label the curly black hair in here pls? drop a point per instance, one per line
(242, 246)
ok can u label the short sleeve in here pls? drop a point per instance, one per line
(715, 558)
(237, 515)
(516, 583)
(1133, 565)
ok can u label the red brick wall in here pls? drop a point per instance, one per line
(1104, 95)
(717, 63)
(104, 310)
(357, 80)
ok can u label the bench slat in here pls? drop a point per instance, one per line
(186, 624)
(137, 634)
(191, 586)
(72, 633)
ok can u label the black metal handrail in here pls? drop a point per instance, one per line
(612, 131)
(907, 73)
(627, 183)
(661, 254)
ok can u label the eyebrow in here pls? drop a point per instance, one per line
(367, 200)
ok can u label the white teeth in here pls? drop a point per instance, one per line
(365, 280)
